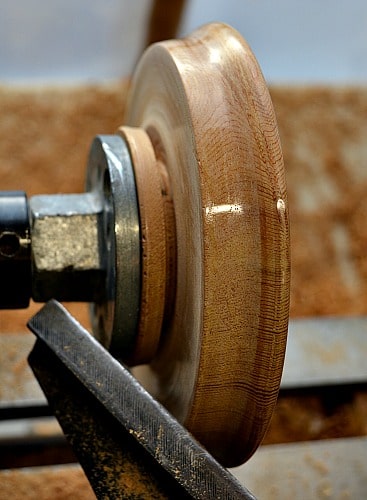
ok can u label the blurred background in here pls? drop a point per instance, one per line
(68, 41)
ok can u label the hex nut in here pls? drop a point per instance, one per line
(66, 261)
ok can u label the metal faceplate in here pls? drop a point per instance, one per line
(110, 172)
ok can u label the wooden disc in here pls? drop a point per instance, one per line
(205, 106)
(153, 244)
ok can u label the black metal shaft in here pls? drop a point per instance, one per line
(15, 250)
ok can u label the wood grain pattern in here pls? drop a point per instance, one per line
(153, 243)
(204, 103)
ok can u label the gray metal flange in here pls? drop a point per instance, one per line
(110, 171)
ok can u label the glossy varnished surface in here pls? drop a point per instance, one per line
(205, 105)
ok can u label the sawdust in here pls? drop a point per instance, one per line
(323, 133)
(41, 483)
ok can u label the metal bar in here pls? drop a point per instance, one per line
(316, 469)
(325, 351)
(325, 469)
(114, 463)
(17, 381)
(117, 430)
